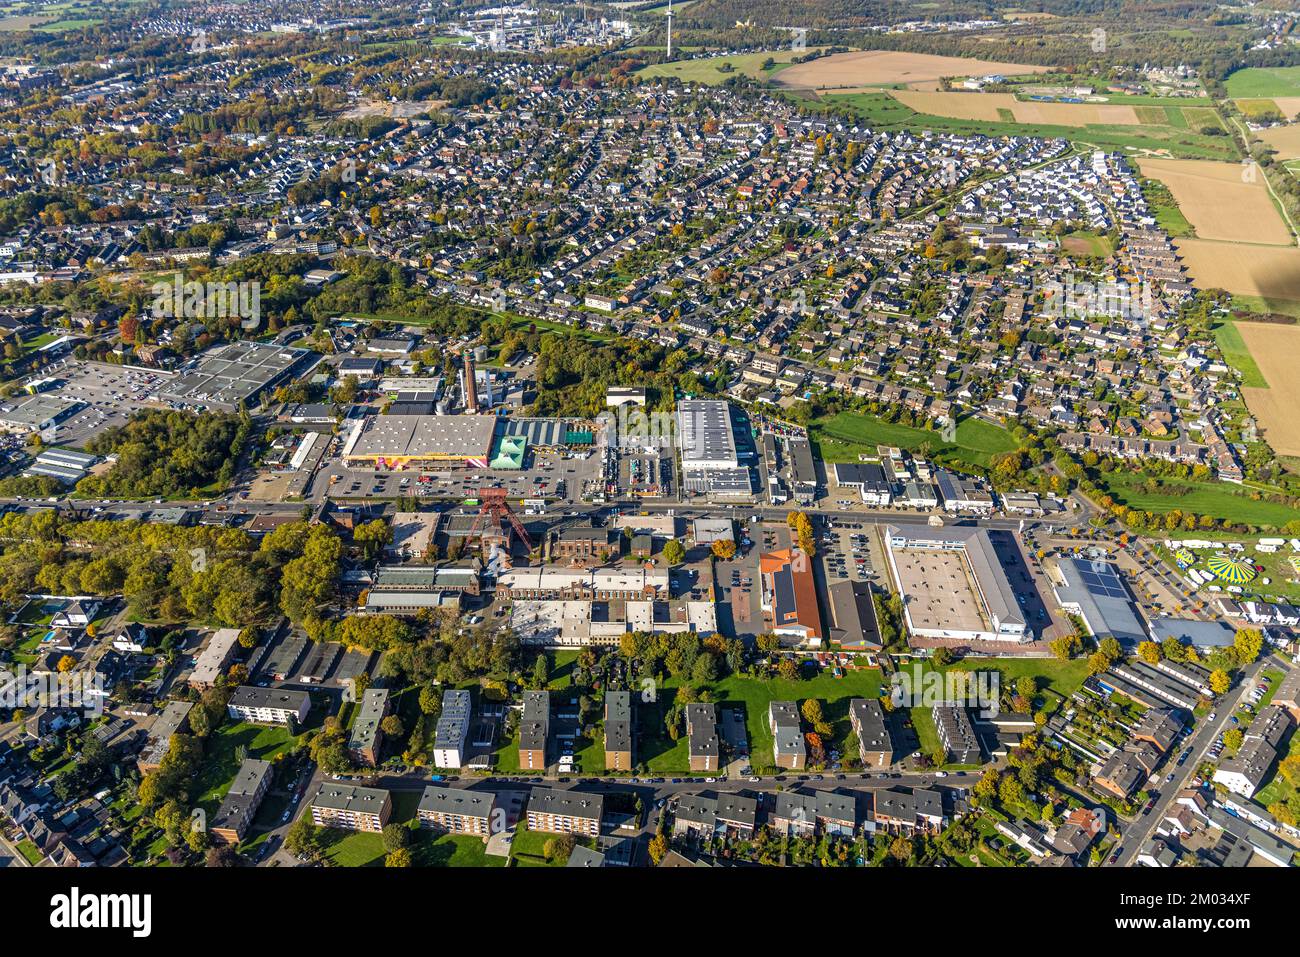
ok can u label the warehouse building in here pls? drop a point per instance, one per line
(953, 584)
(418, 441)
(236, 375)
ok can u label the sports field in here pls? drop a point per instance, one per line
(1225, 201)
(1276, 351)
(886, 67)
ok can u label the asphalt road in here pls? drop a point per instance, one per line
(1135, 834)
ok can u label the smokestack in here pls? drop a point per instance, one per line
(470, 387)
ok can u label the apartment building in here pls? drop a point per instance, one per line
(875, 742)
(961, 745)
(239, 806)
(158, 742)
(457, 811)
(787, 735)
(367, 738)
(618, 731)
(702, 736)
(565, 812)
(534, 731)
(269, 705)
(215, 658)
(453, 729)
(350, 807)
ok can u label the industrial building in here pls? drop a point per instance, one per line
(236, 375)
(417, 441)
(953, 584)
(1095, 591)
(789, 596)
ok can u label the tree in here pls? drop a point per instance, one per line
(66, 664)
(1220, 681)
(396, 836)
(723, 548)
(788, 669)
(559, 848)
(1098, 663)
(303, 838)
(1248, 643)
(398, 858)
(941, 657)
(705, 669)
(392, 726)
(658, 849)
(430, 700)
(901, 849)
(1232, 739)
(1149, 652)
(674, 552)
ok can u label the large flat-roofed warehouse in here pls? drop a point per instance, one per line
(704, 435)
(1095, 592)
(411, 441)
(953, 584)
(239, 373)
(36, 414)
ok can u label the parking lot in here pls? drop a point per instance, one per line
(108, 395)
(553, 476)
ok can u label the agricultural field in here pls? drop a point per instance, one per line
(1237, 354)
(884, 110)
(1285, 140)
(1271, 273)
(866, 68)
(845, 436)
(1275, 349)
(1220, 201)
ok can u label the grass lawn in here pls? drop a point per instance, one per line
(834, 693)
(1264, 82)
(846, 435)
(526, 849)
(220, 762)
(1086, 243)
(1237, 354)
(1222, 500)
(716, 70)
(30, 852)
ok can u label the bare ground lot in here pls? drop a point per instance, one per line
(1221, 200)
(868, 67)
(1271, 272)
(1276, 350)
(1284, 139)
